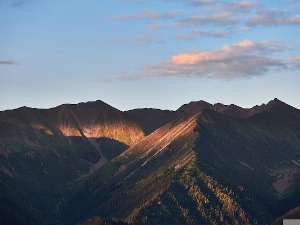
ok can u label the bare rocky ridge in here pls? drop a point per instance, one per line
(151, 119)
(232, 110)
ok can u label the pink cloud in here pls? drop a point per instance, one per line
(243, 59)
(295, 62)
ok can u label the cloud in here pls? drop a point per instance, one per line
(295, 62)
(149, 15)
(295, 59)
(151, 39)
(7, 62)
(195, 2)
(14, 3)
(194, 35)
(17, 3)
(238, 6)
(153, 27)
(244, 59)
(242, 6)
(104, 80)
(215, 19)
(273, 18)
(233, 16)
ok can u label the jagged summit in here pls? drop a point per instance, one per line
(232, 109)
(193, 106)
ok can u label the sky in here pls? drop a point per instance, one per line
(141, 53)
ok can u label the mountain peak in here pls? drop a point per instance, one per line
(276, 101)
(193, 107)
(96, 102)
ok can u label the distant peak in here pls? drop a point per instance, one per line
(275, 101)
(96, 102)
(88, 103)
(23, 107)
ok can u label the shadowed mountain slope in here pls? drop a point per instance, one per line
(241, 170)
(42, 151)
(152, 119)
(130, 181)
(292, 214)
(200, 164)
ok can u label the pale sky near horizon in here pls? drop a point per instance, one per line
(139, 53)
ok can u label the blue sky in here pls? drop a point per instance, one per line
(139, 53)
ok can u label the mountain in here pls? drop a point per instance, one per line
(292, 214)
(41, 151)
(200, 164)
(152, 119)
(234, 110)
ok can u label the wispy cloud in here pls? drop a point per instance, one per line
(244, 59)
(225, 18)
(7, 62)
(149, 15)
(273, 18)
(295, 59)
(153, 27)
(238, 6)
(14, 3)
(194, 35)
(295, 62)
(262, 17)
(215, 19)
(151, 39)
(195, 2)
(242, 6)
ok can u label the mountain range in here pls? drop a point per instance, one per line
(91, 163)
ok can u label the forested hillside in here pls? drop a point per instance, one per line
(202, 164)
